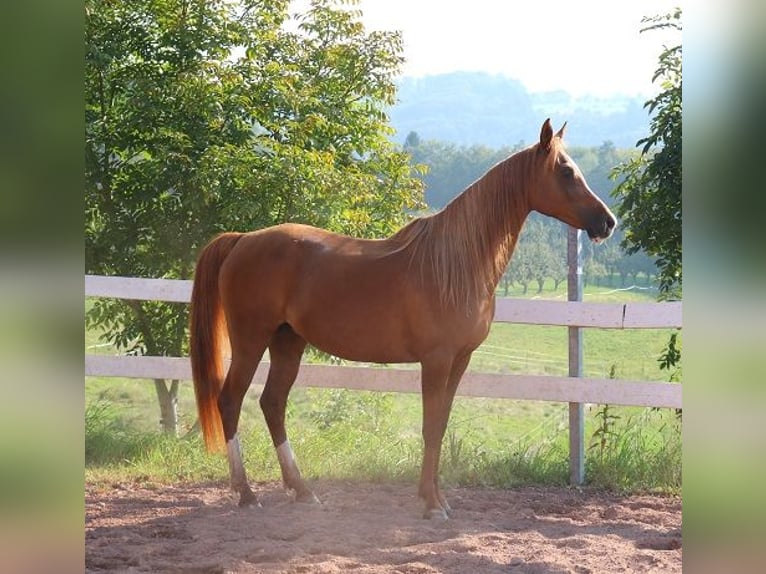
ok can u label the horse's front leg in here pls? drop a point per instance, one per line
(437, 404)
(459, 366)
(428, 489)
(433, 385)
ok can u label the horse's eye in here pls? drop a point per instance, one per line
(568, 172)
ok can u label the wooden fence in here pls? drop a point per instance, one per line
(570, 389)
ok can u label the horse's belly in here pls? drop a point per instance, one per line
(356, 338)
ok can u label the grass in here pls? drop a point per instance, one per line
(376, 436)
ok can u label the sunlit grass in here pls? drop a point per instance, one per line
(354, 434)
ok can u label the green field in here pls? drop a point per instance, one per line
(355, 434)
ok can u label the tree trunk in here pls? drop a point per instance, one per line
(168, 398)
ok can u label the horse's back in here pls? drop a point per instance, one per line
(358, 299)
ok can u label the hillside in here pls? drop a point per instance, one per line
(468, 108)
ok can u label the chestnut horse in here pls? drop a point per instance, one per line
(424, 295)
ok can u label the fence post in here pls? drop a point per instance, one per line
(576, 410)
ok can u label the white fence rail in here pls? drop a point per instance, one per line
(530, 387)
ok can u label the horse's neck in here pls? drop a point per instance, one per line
(479, 230)
(495, 207)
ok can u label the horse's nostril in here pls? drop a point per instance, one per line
(610, 222)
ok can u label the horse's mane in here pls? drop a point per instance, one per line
(466, 246)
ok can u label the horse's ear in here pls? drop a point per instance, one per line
(546, 135)
(560, 133)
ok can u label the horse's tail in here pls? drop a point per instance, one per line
(208, 337)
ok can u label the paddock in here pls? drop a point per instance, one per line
(376, 528)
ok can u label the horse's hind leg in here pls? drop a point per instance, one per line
(244, 361)
(285, 351)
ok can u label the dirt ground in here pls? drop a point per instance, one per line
(375, 528)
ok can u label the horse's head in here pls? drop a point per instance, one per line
(562, 191)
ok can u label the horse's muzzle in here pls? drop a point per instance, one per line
(602, 228)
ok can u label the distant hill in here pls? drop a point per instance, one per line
(468, 108)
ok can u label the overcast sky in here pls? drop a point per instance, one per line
(582, 46)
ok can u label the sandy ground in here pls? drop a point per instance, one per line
(375, 528)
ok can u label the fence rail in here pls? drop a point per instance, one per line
(530, 312)
(530, 387)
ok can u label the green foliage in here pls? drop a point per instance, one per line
(202, 117)
(643, 453)
(141, 328)
(634, 449)
(649, 198)
(604, 432)
(451, 168)
(670, 359)
(606, 421)
(108, 440)
(341, 405)
(540, 254)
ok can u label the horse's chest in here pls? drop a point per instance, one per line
(468, 329)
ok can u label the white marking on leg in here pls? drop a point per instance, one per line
(236, 468)
(290, 472)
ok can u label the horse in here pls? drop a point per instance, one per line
(425, 294)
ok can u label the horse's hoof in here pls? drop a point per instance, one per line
(307, 497)
(248, 500)
(436, 514)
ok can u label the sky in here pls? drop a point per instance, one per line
(581, 46)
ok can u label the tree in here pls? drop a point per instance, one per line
(649, 198)
(532, 256)
(650, 195)
(451, 169)
(211, 116)
(557, 249)
(592, 270)
(412, 140)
